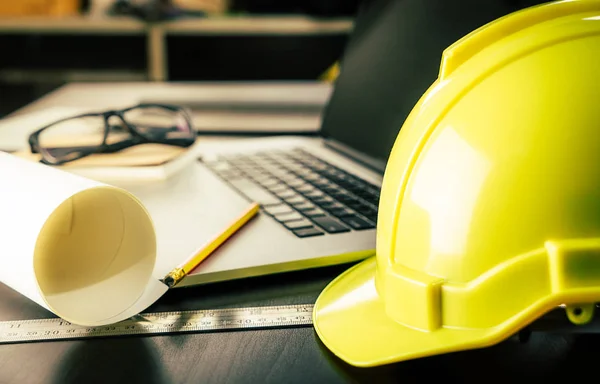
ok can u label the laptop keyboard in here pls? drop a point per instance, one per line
(305, 194)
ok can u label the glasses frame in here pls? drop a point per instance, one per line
(137, 137)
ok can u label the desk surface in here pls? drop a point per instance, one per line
(293, 355)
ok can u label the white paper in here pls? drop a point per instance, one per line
(82, 249)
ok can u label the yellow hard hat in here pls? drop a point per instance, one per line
(490, 205)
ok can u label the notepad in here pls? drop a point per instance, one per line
(141, 162)
(80, 248)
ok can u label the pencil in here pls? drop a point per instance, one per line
(177, 274)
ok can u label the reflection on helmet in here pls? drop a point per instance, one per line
(490, 204)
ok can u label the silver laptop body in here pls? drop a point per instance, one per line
(319, 195)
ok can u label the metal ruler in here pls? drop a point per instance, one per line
(160, 323)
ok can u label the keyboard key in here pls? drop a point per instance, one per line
(328, 206)
(292, 185)
(269, 182)
(345, 198)
(306, 188)
(304, 206)
(313, 194)
(255, 193)
(295, 200)
(256, 175)
(311, 176)
(288, 217)
(278, 209)
(220, 166)
(278, 188)
(322, 183)
(357, 223)
(368, 212)
(298, 224)
(307, 232)
(330, 224)
(288, 177)
(322, 200)
(357, 205)
(331, 189)
(341, 212)
(367, 208)
(280, 173)
(293, 165)
(296, 182)
(303, 172)
(286, 193)
(313, 213)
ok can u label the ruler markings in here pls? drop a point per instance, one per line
(172, 322)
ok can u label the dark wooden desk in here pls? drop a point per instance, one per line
(291, 355)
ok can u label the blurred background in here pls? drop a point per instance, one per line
(48, 43)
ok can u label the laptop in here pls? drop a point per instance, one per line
(319, 195)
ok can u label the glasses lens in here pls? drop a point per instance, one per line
(161, 124)
(73, 138)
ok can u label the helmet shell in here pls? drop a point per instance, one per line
(489, 214)
(502, 154)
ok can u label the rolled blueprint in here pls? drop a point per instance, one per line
(84, 250)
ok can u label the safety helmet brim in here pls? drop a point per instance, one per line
(350, 319)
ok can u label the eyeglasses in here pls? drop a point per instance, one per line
(79, 136)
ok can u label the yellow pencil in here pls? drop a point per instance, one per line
(177, 274)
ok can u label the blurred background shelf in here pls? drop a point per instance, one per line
(220, 25)
(254, 40)
(269, 25)
(72, 25)
(282, 47)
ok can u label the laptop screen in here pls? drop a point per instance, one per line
(391, 59)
